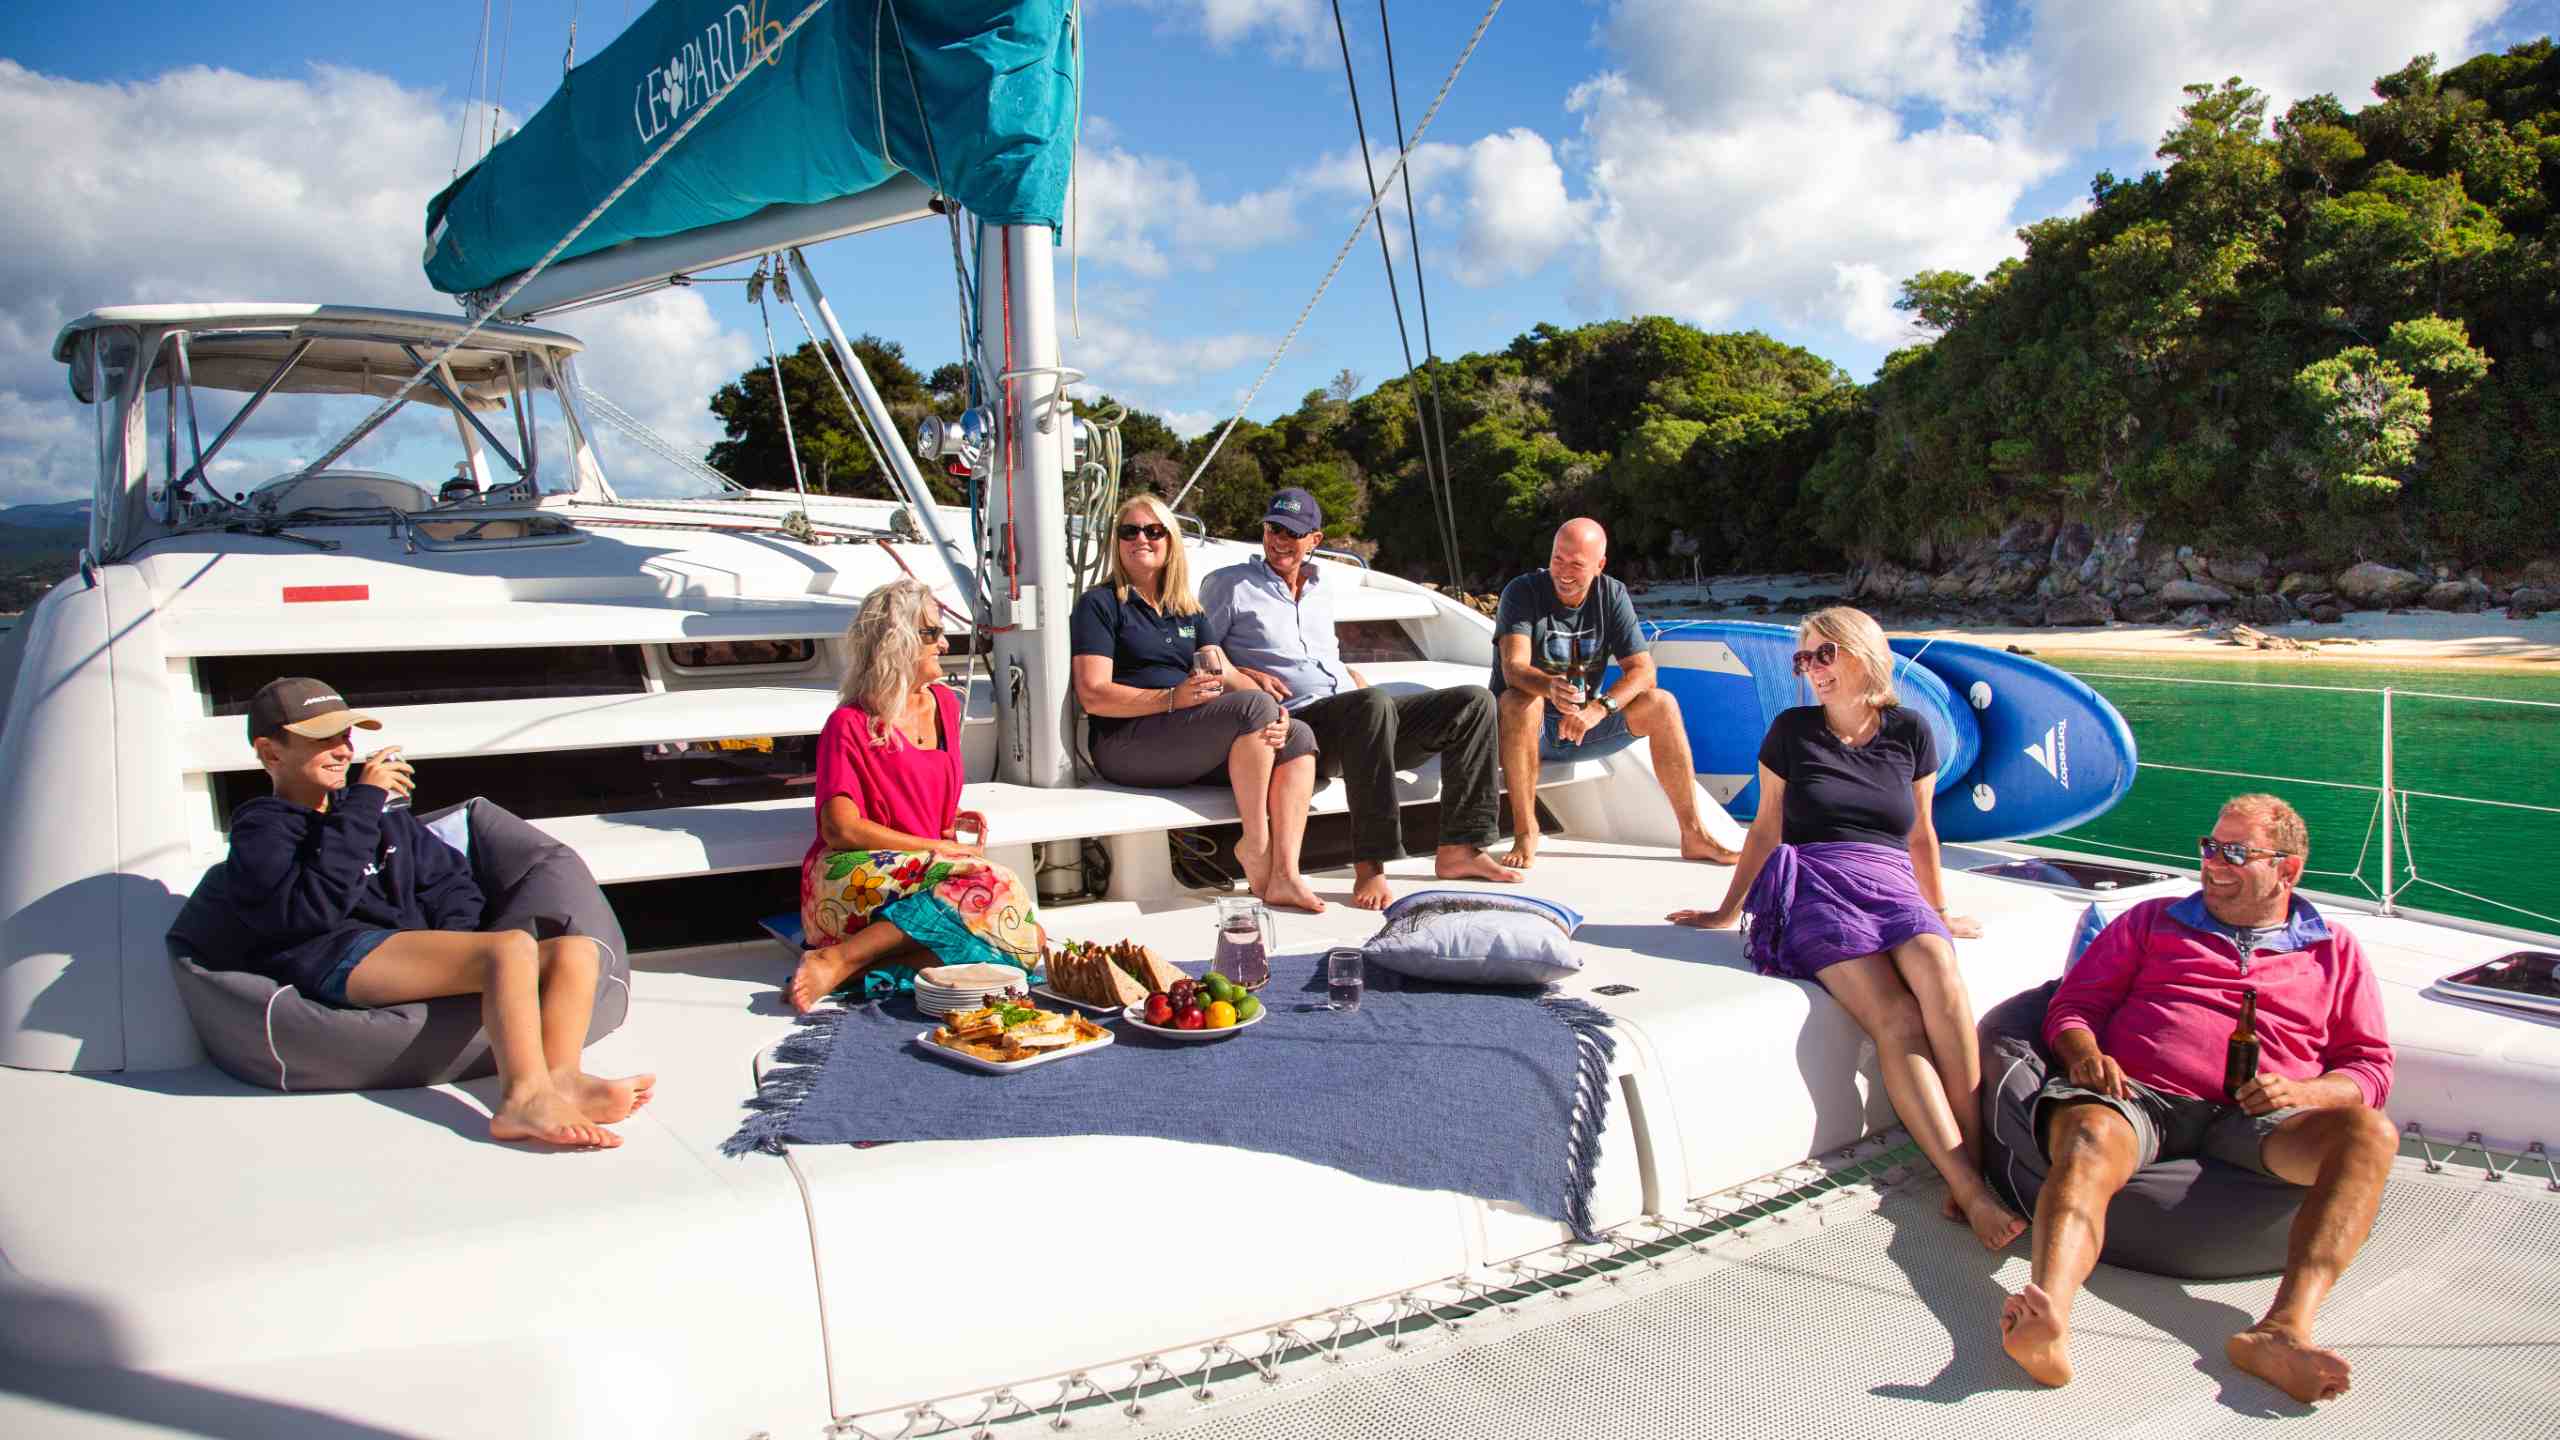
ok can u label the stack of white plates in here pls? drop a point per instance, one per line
(950, 989)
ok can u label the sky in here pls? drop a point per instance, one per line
(1779, 165)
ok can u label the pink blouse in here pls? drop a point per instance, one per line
(898, 784)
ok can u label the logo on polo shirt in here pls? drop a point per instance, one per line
(2051, 755)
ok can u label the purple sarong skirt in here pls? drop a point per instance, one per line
(1834, 900)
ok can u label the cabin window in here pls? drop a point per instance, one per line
(431, 677)
(611, 781)
(736, 654)
(1374, 642)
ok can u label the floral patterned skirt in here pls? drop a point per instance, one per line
(964, 911)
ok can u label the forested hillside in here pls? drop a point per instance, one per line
(2325, 336)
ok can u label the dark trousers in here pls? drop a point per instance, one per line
(1367, 735)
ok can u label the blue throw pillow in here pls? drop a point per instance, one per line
(453, 827)
(2093, 922)
(1472, 937)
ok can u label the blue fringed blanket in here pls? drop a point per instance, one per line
(1501, 1094)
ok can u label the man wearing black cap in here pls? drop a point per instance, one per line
(1274, 616)
(354, 903)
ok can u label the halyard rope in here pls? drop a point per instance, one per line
(1376, 199)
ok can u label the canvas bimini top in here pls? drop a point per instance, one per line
(974, 98)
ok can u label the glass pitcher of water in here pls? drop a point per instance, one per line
(1247, 934)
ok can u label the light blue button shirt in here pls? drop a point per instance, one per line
(1265, 627)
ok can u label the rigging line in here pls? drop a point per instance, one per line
(844, 392)
(1395, 293)
(399, 397)
(1075, 198)
(471, 105)
(2482, 699)
(1341, 255)
(781, 398)
(2240, 684)
(506, 49)
(2469, 800)
(2252, 775)
(1422, 301)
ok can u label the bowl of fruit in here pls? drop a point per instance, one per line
(1212, 1007)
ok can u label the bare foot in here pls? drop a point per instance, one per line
(2036, 1337)
(1702, 846)
(601, 1100)
(820, 972)
(2289, 1362)
(1465, 862)
(1291, 894)
(1252, 857)
(1524, 850)
(1370, 891)
(1994, 1224)
(546, 1115)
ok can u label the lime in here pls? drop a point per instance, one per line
(1246, 1009)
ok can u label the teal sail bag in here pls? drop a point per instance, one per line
(975, 98)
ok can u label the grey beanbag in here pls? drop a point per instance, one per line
(273, 1036)
(2193, 1219)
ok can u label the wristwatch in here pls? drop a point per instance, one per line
(1606, 703)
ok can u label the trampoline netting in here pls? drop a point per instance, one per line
(1880, 1319)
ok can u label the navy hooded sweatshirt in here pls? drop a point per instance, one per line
(304, 882)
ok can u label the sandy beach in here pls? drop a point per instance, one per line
(2484, 641)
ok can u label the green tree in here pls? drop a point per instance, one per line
(2367, 416)
(835, 458)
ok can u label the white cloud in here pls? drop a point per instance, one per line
(1127, 360)
(1147, 214)
(1500, 204)
(203, 184)
(1300, 31)
(1191, 423)
(1728, 61)
(660, 356)
(1801, 210)
(2113, 72)
(1802, 158)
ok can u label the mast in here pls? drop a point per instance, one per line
(1028, 579)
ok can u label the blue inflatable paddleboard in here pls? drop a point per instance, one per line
(2053, 752)
(2023, 748)
(1732, 677)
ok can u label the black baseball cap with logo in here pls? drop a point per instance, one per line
(305, 707)
(1295, 511)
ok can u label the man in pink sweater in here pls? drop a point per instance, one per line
(2141, 1026)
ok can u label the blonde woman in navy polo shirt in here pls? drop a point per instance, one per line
(1161, 719)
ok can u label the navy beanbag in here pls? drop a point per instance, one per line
(2193, 1219)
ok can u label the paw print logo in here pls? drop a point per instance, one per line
(675, 78)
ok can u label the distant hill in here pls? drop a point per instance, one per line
(59, 515)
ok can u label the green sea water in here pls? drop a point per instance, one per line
(2321, 749)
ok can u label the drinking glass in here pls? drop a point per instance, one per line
(1208, 661)
(1342, 979)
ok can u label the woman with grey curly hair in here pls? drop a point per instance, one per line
(888, 885)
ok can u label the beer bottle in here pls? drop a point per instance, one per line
(2240, 1062)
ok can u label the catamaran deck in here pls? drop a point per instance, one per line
(777, 1283)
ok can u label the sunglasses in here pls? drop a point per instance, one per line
(2232, 852)
(1152, 532)
(1823, 655)
(929, 634)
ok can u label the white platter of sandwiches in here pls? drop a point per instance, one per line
(1104, 979)
(1006, 1035)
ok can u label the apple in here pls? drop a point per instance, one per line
(1159, 1010)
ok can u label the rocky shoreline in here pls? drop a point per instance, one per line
(2041, 574)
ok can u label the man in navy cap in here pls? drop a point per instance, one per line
(1274, 615)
